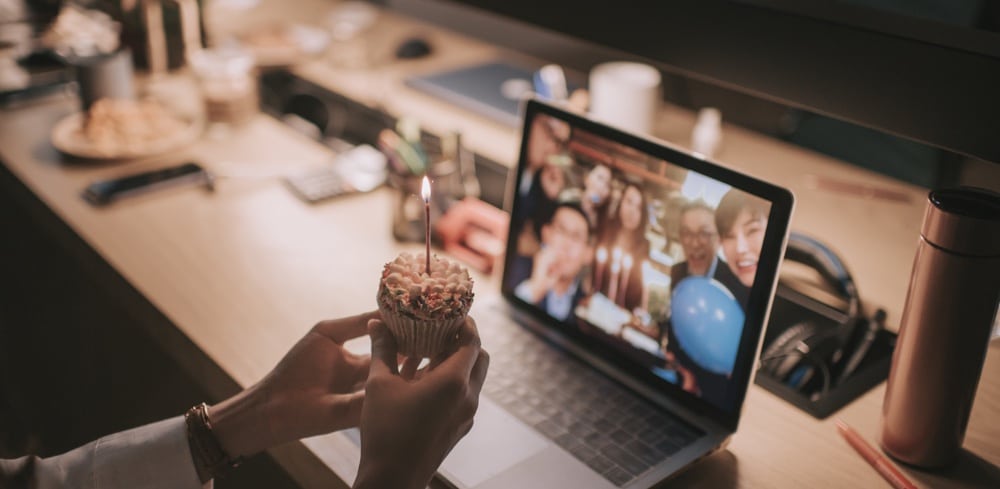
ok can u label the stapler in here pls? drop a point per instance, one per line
(474, 232)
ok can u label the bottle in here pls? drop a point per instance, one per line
(707, 132)
(945, 329)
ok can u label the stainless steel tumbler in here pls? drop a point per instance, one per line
(945, 328)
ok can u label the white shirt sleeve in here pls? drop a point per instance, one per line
(155, 456)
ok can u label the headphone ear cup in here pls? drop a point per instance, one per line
(780, 356)
(815, 349)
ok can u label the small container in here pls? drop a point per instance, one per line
(945, 329)
(108, 76)
(408, 214)
(228, 81)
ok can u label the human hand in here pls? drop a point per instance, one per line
(544, 273)
(412, 419)
(316, 388)
(687, 380)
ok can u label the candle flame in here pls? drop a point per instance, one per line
(602, 255)
(616, 254)
(425, 190)
(627, 262)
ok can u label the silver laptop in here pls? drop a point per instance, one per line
(614, 362)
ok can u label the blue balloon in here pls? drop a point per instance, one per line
(707, 322)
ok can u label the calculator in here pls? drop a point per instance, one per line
(357, 170)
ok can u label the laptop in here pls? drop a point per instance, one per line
(604, 373)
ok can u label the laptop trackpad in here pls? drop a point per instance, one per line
(497, 442)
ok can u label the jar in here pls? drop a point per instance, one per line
(227, 79)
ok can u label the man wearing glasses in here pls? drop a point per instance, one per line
(554, 284)
(700, 242)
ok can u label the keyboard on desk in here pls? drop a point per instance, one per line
(608, 428)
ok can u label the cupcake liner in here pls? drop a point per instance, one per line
(421, 337)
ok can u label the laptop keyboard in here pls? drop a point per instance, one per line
(611, 430)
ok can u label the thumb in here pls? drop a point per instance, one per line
(384, 360)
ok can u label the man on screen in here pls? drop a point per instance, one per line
(554, 284)
(700, 240)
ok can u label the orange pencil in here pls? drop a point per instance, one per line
(879, 462)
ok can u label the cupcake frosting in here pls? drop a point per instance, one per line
(406, 288)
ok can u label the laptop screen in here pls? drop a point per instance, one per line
(659, 261)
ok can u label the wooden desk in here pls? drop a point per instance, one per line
(243, 272)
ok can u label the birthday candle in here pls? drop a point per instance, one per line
(425, 192)
(616, 263)
(627, 265)
(602, 257)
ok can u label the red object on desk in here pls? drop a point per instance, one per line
(475, 233)
(879, 462)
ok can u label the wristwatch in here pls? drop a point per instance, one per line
(210, 459)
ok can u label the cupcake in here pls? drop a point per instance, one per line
(424, 312)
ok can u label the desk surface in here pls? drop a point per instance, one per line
(245, 271)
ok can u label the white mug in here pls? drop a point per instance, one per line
(626, 95)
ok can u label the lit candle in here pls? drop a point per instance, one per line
(627, 265)
(425, 192)
(616, 264)
(602, 257)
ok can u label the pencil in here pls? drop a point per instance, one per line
(879, 462)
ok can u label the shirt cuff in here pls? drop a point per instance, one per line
(155, 456)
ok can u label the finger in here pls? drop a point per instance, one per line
(436, 361)
(478, 377)
(343, 329)
(358, 370)
(466, 427)
(410, 367)
(460, 362)
(383, 359)
(345, 410)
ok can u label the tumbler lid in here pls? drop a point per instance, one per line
(963, 220)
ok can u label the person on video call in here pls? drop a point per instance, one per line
(553, 179)
(742, 219)
(597, 196)
(546, 139)
(555, 283)
(625, 231)
(700, 240)
(318, 387)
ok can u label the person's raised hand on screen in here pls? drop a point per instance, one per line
(411, 420)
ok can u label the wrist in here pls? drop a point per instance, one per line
(240, 425)
(538, 290)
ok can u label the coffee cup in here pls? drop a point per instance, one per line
(626, 95)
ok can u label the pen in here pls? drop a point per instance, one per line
(879, 462)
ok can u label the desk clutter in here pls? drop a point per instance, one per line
(822, 349)
(469, 186)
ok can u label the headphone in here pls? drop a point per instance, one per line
(811, 357)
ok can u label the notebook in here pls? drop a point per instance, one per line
(494, 89)
(604, 373)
